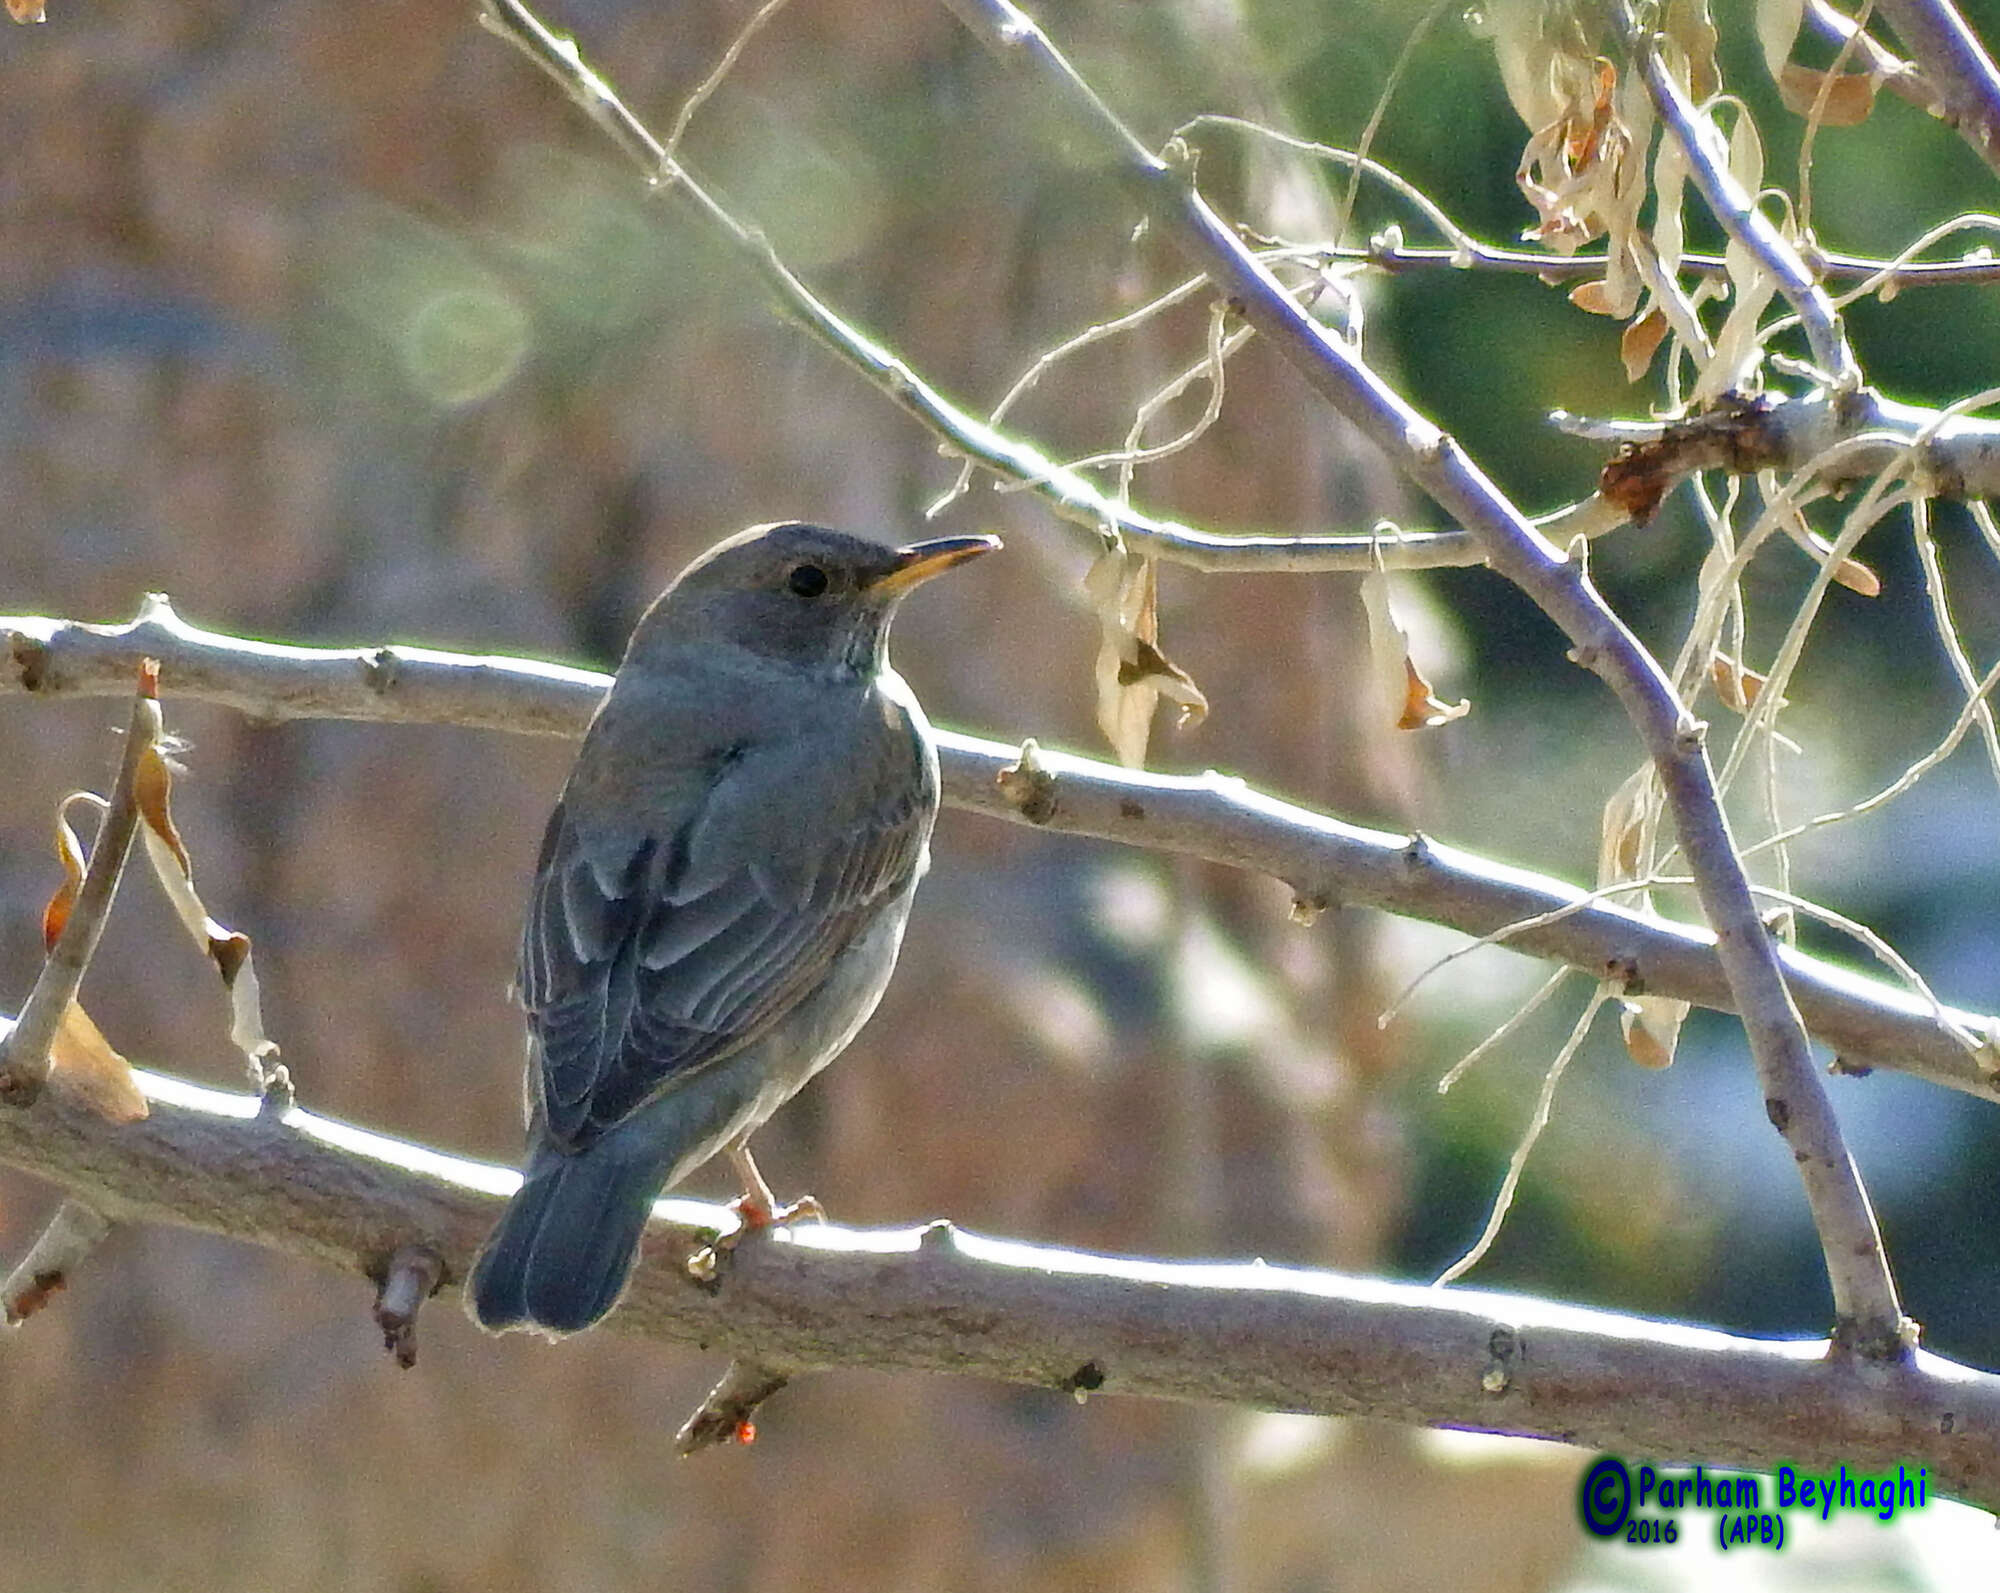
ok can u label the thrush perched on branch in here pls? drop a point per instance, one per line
(720, 897)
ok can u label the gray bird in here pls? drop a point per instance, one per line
(720, 898)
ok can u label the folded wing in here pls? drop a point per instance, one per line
(650, 953)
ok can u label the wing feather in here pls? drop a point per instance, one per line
(647, 954)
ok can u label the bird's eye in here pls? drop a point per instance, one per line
(808, 580)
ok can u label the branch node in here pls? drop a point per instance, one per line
(276, 1094)
(72, 1233)
(725, 1416)
(30, 658)
(381, 669)
(1028, 785)
(412, 1277)
(1503, 1348)
(938, 1238)
(1086, 1380)
(1307, 906)
(1885, 1342)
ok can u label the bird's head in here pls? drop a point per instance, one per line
(798, 594)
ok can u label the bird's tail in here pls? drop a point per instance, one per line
(565, 1245)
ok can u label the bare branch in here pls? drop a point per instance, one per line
(724, 1417)
(1868, 1316)
(72, 1233)
(1209, 816)
(1462, 251)
(413, 1276)
(1842, 438)
(24, 1050)
(936, 1299)
(1071, 496)
(1953, 60)
(1399, 259)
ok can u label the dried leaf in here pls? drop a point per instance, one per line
(1687, 24)
(69, 852)
(1421, 708)
(26, 11)
(1641, 341)
(1150, 667)
(1652, 1028)
(84, 1067)
(1736, 684)
(153, 791)
(1583, 167)
(1857, 577)
(1849, 98)
(1778, 24)
(1625, 829)
(226, 948)
(1411, 699)
(1592, 297)
(1132, 673)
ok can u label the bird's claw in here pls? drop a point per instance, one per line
(756, 1211)
(753, 1213)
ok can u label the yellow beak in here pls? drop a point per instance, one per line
(921, 560)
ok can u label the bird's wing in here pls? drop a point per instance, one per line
(654, 953)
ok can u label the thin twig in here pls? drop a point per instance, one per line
(1513, 1021)
(708, 85)
(1538, 1120)
(1401, 259)
(1946, 627)
(1070, 496)
(724, 1417)
(24, 1052)
(72, 1233)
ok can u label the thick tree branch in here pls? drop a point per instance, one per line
(936, 1299)
(1952, 60)
(1868, 1316)
(1210, 816)
(1846, 438)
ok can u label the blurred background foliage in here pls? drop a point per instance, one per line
(338, 326)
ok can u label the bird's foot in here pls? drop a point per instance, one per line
(755, 1210)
